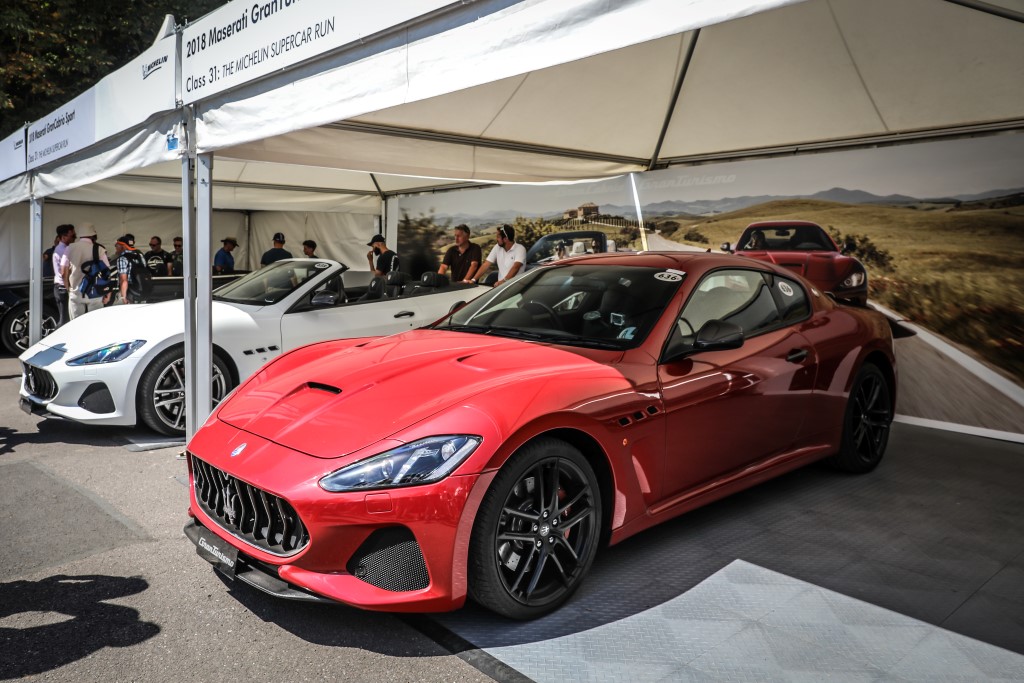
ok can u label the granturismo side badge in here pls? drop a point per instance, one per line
(238, 450)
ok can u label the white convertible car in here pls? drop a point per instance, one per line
(124, 364)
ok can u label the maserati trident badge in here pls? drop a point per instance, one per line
(238, 450)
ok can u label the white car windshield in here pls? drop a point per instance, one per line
(271, 284)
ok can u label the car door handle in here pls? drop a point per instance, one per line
(796, 355)
(405, 314)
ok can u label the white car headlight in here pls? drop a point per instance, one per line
(420, 462)
(110, 353)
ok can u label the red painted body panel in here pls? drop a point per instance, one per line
(671, 436)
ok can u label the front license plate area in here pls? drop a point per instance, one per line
(218, 553)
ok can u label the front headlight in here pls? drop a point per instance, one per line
(108, 354)
(855, 279)
(420, 462)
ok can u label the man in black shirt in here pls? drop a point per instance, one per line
(387, 260)
(157, 260)
(463, 259)
(277, 253)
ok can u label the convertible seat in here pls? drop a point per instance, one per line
(375, 290)
(611, 316)
(429, 282)
(394, 283)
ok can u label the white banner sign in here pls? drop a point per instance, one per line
(243, 41)
(64, 131)
(12, 155)
(122, 100)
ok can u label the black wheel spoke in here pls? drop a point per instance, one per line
(560, 540)
(538, 486)
(519, 513)
(553, 489)
(523, 569)
(577, 518)
(574, 501)
(562, 574)
(515, 538)
(542, 561)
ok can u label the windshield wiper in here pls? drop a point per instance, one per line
(493, 329)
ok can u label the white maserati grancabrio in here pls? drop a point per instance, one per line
(125, 364)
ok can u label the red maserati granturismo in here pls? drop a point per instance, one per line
(491, 454)
(805, 248)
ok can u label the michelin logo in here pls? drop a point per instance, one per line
(155, 65)
(216, 553)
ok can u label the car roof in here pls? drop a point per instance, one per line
(782, 224)
(686, 261)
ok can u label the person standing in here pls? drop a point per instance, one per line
(59, 265)
(277, 252)
(506, 254)
(177, 259)
(128, 259)
(157, 260)
(463, 259)
(83, 250)
(223, 261)
(387, 260)
(309, 249)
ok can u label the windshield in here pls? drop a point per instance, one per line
(271, 284)
(591, 305)
(786, 238)
(565, 244)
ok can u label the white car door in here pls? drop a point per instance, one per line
(356, 319)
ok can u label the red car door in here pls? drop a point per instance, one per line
(728, 409)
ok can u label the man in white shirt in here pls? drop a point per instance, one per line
(65, 236)
(509, 256)
(78, 254)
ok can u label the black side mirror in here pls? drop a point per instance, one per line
(325, 298)
(726, 247)
(718, 335)
(456, 306)
(849, 247)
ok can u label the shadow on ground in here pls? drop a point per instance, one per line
(50, 623)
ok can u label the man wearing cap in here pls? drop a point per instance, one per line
(277, 253)
(127, 259)
(77, 254)
(309, 249)
(506, 254)
(387, 260)
(65, 236)
(223, 261)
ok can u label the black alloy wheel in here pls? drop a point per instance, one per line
(16, 324)
(537, 531)
(869, 414)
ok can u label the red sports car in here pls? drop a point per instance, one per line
(491, 454)
(804, 247)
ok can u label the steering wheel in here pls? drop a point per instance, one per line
(546, 309)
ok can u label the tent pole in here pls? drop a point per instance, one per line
(639, 214)
(35, 274)
(204, 282)
(188, 235)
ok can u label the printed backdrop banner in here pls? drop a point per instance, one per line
(12, 154)
(122, 100)
(242, 42)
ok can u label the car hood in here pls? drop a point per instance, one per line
(330, 402)
(824, 268)
(151, 322)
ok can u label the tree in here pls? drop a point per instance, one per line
(51, 51)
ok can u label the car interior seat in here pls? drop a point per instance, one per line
(394, 283)
(610, 318)
(430, 281)
(375, 290)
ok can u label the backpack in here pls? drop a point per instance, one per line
(96, 279)
(140, 278)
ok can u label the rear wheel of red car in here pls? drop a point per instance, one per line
(161, 396)
(537, 531)
(866, 423)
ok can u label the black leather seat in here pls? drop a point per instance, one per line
(394, 283)
(429, 282)
(375, 289)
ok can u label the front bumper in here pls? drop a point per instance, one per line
(400, 550)
(91, 394)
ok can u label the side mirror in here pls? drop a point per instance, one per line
(456, 306)
(323, 299)
(726, 247)
(849, 246)
(718, 335)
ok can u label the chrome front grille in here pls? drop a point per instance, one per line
(38, 382)
(251, 514)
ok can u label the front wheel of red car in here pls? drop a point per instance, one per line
(537, 531)
(866, 424)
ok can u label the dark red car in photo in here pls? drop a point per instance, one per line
(493, 453)
(805, 248)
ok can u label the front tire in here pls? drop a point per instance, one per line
(866, 423)
(537, 531)
(161, 396)
(14, 333)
